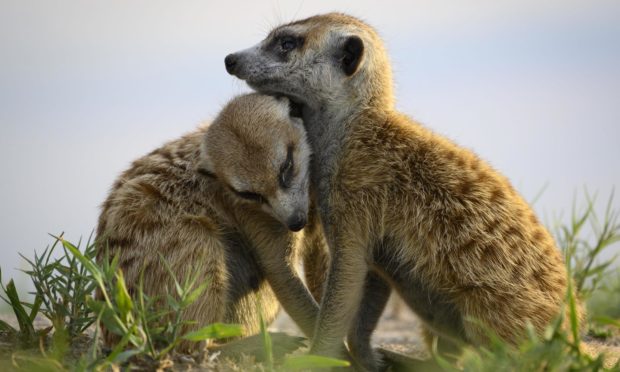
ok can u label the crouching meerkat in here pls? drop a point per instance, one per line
(401, 204)
(226, 200)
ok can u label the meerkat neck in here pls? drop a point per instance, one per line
(327, 127)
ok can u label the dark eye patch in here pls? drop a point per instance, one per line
(287, 169)
(282, 44)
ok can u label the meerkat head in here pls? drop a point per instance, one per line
(330, 59)
(257, 148)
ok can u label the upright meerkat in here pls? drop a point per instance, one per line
(400, 202)
(224, 200)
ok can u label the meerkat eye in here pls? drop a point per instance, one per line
(251, 196)
(286, 170)
(288, 43)
(247, 195)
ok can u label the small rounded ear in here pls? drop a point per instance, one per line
(352, 52)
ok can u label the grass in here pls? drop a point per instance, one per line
(26, 335)
(583, 254)
(144, 326)
(149, 329)
(606, 300)
(61, 288)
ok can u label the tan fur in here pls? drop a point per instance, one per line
(445, 229)
(475, 241)
(163, 206)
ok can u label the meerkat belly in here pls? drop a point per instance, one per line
(433, 307)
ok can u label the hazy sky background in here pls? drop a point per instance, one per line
(87, 86)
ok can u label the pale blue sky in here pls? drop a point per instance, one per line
(88, 86)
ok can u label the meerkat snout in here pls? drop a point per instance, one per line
(297, 220)
(230, 62)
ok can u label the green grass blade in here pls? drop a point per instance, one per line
(123, 300)
(119, 349)
(177, 285)
(124, 356)
(23, 319)
(574, 321)
(107, 316)
(92, 268)
(607, 320)
(194, 294)
(34, 309)
(24, 362)
(142, 313)
(214, 331)
(266, 338)
(303, 362)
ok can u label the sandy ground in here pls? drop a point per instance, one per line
(398, 329)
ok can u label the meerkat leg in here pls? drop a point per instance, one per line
(343, 292)
(315, 257)
(276, 258)
(249, 289)
(316, 267)
(376, 295)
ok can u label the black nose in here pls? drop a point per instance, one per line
(297, 221)
(230, 62)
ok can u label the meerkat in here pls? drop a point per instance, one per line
(227, 200)
(400, 204)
